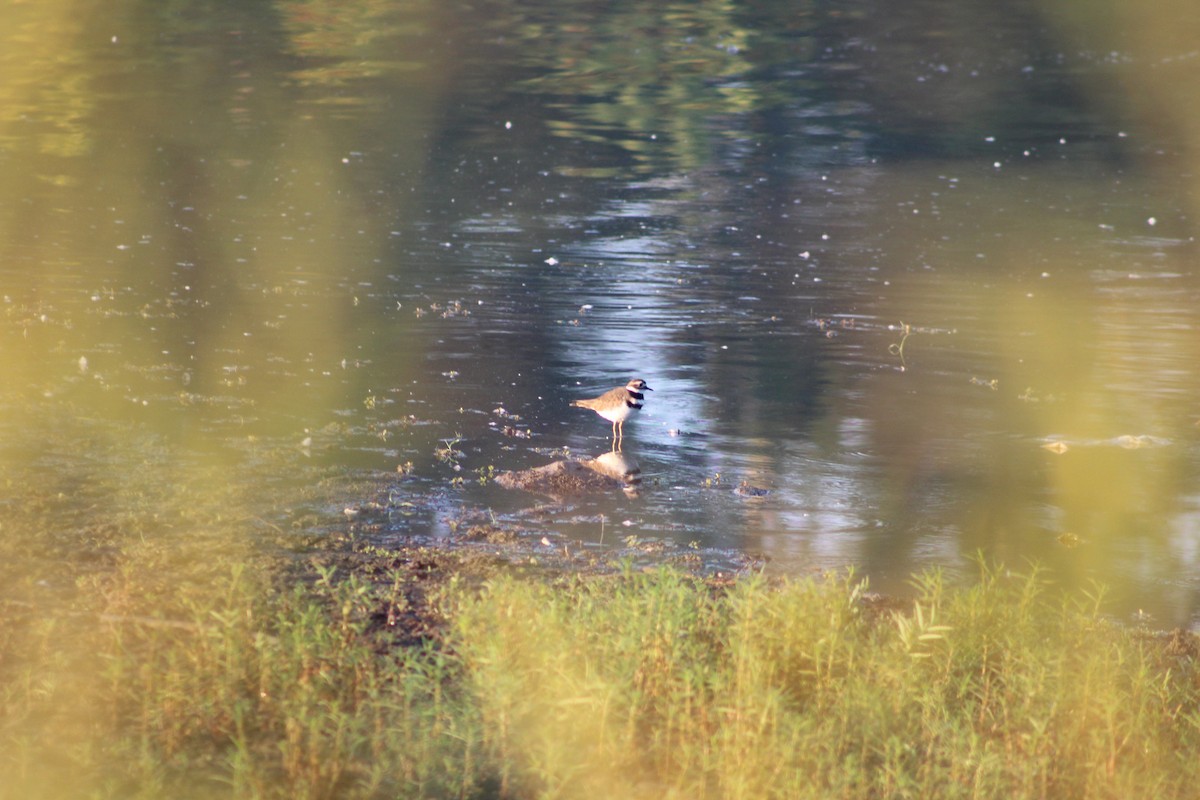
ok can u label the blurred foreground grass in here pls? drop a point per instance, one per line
(422, 674)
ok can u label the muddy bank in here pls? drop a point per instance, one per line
(563, 479)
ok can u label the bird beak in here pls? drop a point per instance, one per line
(647, 388)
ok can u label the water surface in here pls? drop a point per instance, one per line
(926, 275)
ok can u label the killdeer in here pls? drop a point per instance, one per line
(616, 405)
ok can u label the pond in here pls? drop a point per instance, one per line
(925, 275)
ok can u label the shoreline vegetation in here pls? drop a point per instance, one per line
(445, 673)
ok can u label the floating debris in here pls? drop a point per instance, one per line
(744, 489)
(1030, 395)
(1134, 442)
(1127, 442)
(992, 384)
(453, 308)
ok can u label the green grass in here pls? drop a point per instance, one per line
(386, 679)
(655, 686)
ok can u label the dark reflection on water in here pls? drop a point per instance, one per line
(929, 284)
